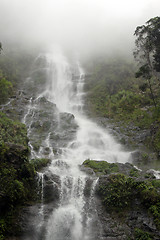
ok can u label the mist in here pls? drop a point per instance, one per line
(83, 26)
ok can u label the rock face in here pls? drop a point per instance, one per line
(44, 123)
(127, 201)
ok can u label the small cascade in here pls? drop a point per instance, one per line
(92, 224)
(40, 182)
(30, 115)
(66, 221)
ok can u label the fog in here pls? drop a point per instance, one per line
(85, 26)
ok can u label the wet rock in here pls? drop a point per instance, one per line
(51, 187)
(88, 187)
(67, 120)
(87, 170)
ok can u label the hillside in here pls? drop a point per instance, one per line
(113, 93)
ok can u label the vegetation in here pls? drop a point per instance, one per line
(116, 92)
(14, 66)
(5, 89)
(121, 192)
(141, 235)
(101, 167)
(18, 185)
(113, 92)
(12, 132)
(40, 163)
(148, 51)
(17, 174)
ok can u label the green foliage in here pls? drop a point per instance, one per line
(12, 132)
(115, 93)
(5, 89)
(3, 228)
(134, 172)
(156, 183)
(39, 163)
(17, 174)
(12, 189)
(107, 79)
(101, 166)
(118, 192)
(156, 142)
(141, 235)
(155, 210)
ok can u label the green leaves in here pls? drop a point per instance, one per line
(5, 89)
(141, 235)
(12, 132)
(118, 192)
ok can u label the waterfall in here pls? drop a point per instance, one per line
(58, 129)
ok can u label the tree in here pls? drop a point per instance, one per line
(147, 50)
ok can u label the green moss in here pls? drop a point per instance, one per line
(101, 166)
(40, 163)
(141, 235)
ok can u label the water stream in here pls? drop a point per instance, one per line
(58, 129)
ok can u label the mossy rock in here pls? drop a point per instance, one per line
(101, 167)
(39, 163)
(119, 192)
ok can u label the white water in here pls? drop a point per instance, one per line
(92, 141)
(71, 220)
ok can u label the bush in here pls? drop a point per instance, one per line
(118, 192)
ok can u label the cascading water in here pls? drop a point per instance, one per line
(68, 146)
